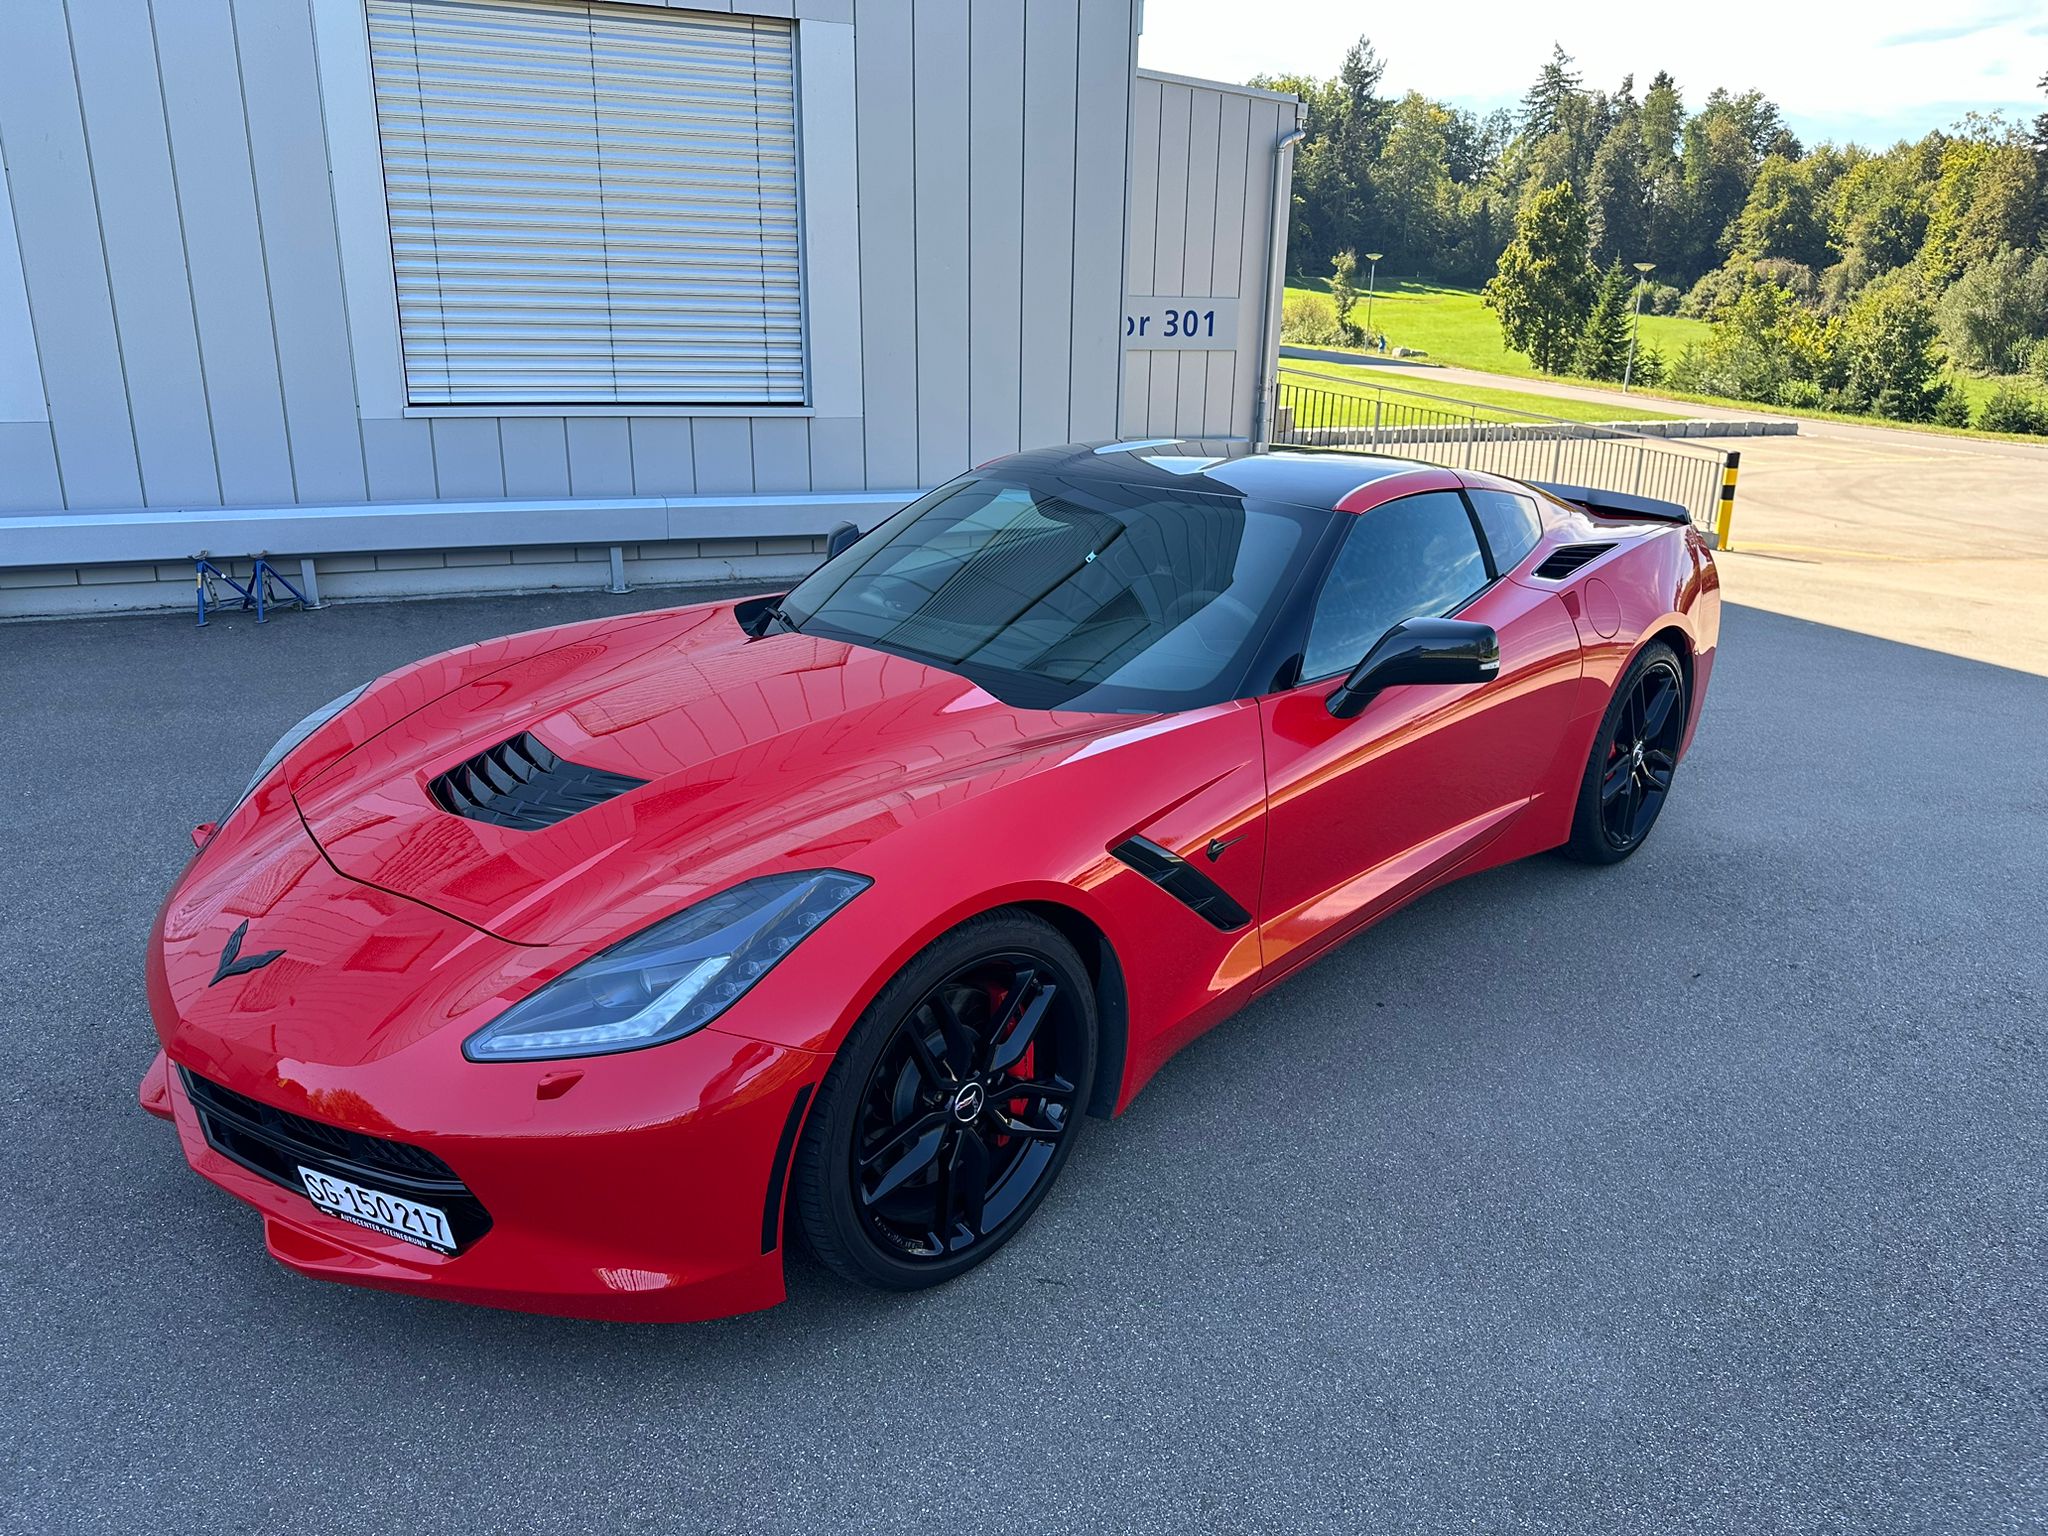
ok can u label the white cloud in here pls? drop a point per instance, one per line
(1875, 71)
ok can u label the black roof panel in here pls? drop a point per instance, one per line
(1305, 479)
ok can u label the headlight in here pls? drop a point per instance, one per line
(291, 739)
(670, 979)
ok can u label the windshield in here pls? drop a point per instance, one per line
(1072, 595)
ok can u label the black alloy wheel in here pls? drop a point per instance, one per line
(1634, 759)
(952, 1106)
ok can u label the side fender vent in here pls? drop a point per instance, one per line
(1182, 881)
(522, 785)
(1560, 563)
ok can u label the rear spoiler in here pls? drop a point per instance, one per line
(1614, 503)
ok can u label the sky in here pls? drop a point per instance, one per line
(1872, 71)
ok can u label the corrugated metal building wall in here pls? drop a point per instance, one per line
(199, 349)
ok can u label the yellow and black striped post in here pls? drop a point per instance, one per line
(1725, 521)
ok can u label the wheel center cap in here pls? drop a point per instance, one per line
(1639, 754)
(969, 1102)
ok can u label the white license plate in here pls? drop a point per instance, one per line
(393, 1215)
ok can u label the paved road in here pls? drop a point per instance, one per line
(1923, 537)
(1704, 1194)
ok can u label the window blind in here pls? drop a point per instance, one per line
(590, 203)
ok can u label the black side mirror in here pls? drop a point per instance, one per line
(1419, 651)
(840, 540)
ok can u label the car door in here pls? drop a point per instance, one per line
(1366, 811)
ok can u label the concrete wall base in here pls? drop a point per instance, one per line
(40, 592)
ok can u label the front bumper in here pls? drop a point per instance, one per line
(596, 1210)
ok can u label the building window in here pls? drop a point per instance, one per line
(591, 204)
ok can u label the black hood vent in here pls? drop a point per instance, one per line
(1560, 563)
(522, 785)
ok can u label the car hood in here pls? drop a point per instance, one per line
(784, 751)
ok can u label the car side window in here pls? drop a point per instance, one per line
(1411, 558)
(1512, 525)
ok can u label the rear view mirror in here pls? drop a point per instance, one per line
(840, 540)
(1419, 651)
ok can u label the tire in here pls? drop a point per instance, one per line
(1635, 754)
(913, 1122)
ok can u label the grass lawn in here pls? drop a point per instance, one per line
(1403, 384)
(1454, 327)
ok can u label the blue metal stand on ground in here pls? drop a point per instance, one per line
(255, 593)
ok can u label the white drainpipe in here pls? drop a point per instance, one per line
(1276, 280)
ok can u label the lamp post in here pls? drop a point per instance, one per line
(1643, 271)
(1372, 274)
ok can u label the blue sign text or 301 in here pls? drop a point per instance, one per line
(1166, 323)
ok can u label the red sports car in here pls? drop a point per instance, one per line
(577, 971)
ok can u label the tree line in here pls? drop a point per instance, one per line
(1835, 276)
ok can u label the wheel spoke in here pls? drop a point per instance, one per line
(921, 1052)
(913, 1148)
(1616, 780)
(959, 1042)
(1658, 710)
(1011, 1126)
(970, 1178)
(1037, 1092)
(1021, 1019)
(1657, 767)
(942, 1192)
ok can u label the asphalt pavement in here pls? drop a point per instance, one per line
(1705, 1193)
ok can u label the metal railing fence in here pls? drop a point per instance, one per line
(1317, 410)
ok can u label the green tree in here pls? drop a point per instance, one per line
(1344, 292)
(1618, 193)
(2012, 409)
(1887, 351)
(1985, 197)
(1544, 287)
(1603, 343)
(1992, 316)
(1546, 103)
(1779, 221)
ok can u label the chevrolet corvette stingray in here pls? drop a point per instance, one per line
(583, 970)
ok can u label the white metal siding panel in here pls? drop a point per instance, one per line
(1135, 409)
(536, 450)
(1051, 44)
(591, 203)
(782, 454)
(838, 452)
(600, 455)
(939, 79)
(28, 467)
(398, 457)
(21, 373)
(141, 234)
(663, 456)
(725, 455)
(469, 462)
(1108, 35)
(831, 178)
(288, 149)
(216, 193)
(1170, 200)
(50, 179)
(995, 191)
(888, 265)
